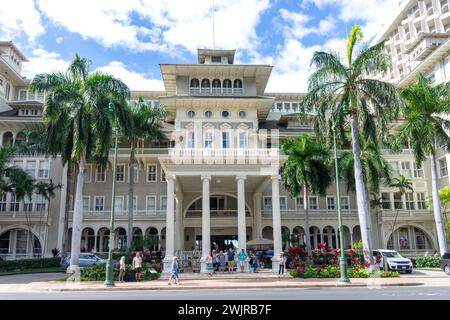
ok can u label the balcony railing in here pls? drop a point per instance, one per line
(212, 155)
(120, 214)
(313, 212)
(215, 213)
(33, 214)
(216, 91)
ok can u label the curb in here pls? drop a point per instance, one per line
(190, 287)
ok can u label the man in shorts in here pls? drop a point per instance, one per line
(137, 265)
(242, 257)
(230, 256)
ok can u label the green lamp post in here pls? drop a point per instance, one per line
(109, 281)
(342, 263)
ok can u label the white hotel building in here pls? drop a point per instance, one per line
(216, 178)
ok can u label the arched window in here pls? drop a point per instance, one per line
(216, 86)
(227, 86)
(7, 138)
(195, 86)
(237, 86)
(206, 86)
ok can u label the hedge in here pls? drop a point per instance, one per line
(428, 261)
(22, 264)
(98, 273)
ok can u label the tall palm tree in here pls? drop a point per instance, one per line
(371, 105)
(307, 170)
(403, 185)
(79, 123)
(12, 178)
(425, 125)
(144, 124)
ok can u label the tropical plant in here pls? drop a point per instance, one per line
(79, 123)
(346, 92)
(144, 124)
(425, 126)
(307, 170)
(403, 185)
(444, 196)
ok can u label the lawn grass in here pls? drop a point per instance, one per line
(24, 271)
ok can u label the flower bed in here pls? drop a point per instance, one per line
(98, 273)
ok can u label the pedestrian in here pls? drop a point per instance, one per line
(281, 265)
(255, 263)
(137, 265)
(230, 256)
(209, 263)
(174, 272)
(122, 268)
(222, 261)
(242, 257)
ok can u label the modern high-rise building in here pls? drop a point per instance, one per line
(214, 182)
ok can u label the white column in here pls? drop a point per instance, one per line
(242, 228)
(206, 223)
(170, 223)
(276, 222)
(257, 215)
(179, 234)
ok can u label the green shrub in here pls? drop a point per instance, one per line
(427, 261)
(358, 273)
(293, 273)
(329, 272)
(98, 273)
(38, 263)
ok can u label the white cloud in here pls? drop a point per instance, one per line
(295, 24)
(42, 61)
(135, 81)
(17, 17)
(59, 40)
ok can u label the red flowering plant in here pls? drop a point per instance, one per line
(324, 255)
(298, 255)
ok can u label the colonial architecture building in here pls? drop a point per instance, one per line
(214, 180)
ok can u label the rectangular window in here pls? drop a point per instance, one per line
(208, 140)
(406, 169)
(421, 202)
(44, 166)
(31, 95)
(41, 203)
(86, 203)
(398, 204)
(395, 168)
(99, 203)
(386, 200)
(135, 203)
(22, 95)
(216, 59)
(313, 203)
(150, 203)
(267, 203)
(409, 196)
(100, 174)
(163, 203)
(87, 173)
(418, 172)
(283, 203)
(14, 204)
(151, 173)
(27, 204)
(331, 203)
(191, 139)
(443, 168)
(299, 202)
(217, 203)
(31, 168)
(40, 96)
(345, 205)
(119, 204)
(163, 175)
(225, 140)
(242, 139)
(120, 173)
(3, 202)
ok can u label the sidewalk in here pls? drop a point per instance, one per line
(232, 281)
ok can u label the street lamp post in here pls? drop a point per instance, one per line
(342, 263)
(109, 281)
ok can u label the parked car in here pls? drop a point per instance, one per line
(395, 261)
(265, 258)
(445, 263)
(85, 260)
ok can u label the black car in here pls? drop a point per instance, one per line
(264, 258)
(445, 263)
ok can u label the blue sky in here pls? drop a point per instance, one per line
(130, 38)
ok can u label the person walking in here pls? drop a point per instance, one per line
(174, 272)
(209, 263)
(281, 265)
(137, 265)
(122, 268)
(242, 257)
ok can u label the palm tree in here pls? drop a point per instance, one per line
(371, 104)
(403, 185)
(144, 124)
(425, 125)
(12, 178)
(47, 191)
(307, 170)
(79, 123)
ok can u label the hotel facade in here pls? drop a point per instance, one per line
(216, 177)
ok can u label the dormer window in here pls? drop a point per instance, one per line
(216, 59)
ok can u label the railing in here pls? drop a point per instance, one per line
(405, 213)
(312, 213)
(215, 213)
(17, 256)
(223, 153)
(215, 91)
(93, 214)
(23, 214)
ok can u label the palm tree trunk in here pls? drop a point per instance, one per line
(438, 217)
(362, 197)
(46, 225)
(70, 186)
(308, 235)
(130, 198)
(77, 220)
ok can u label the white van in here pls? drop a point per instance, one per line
(395, 261)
